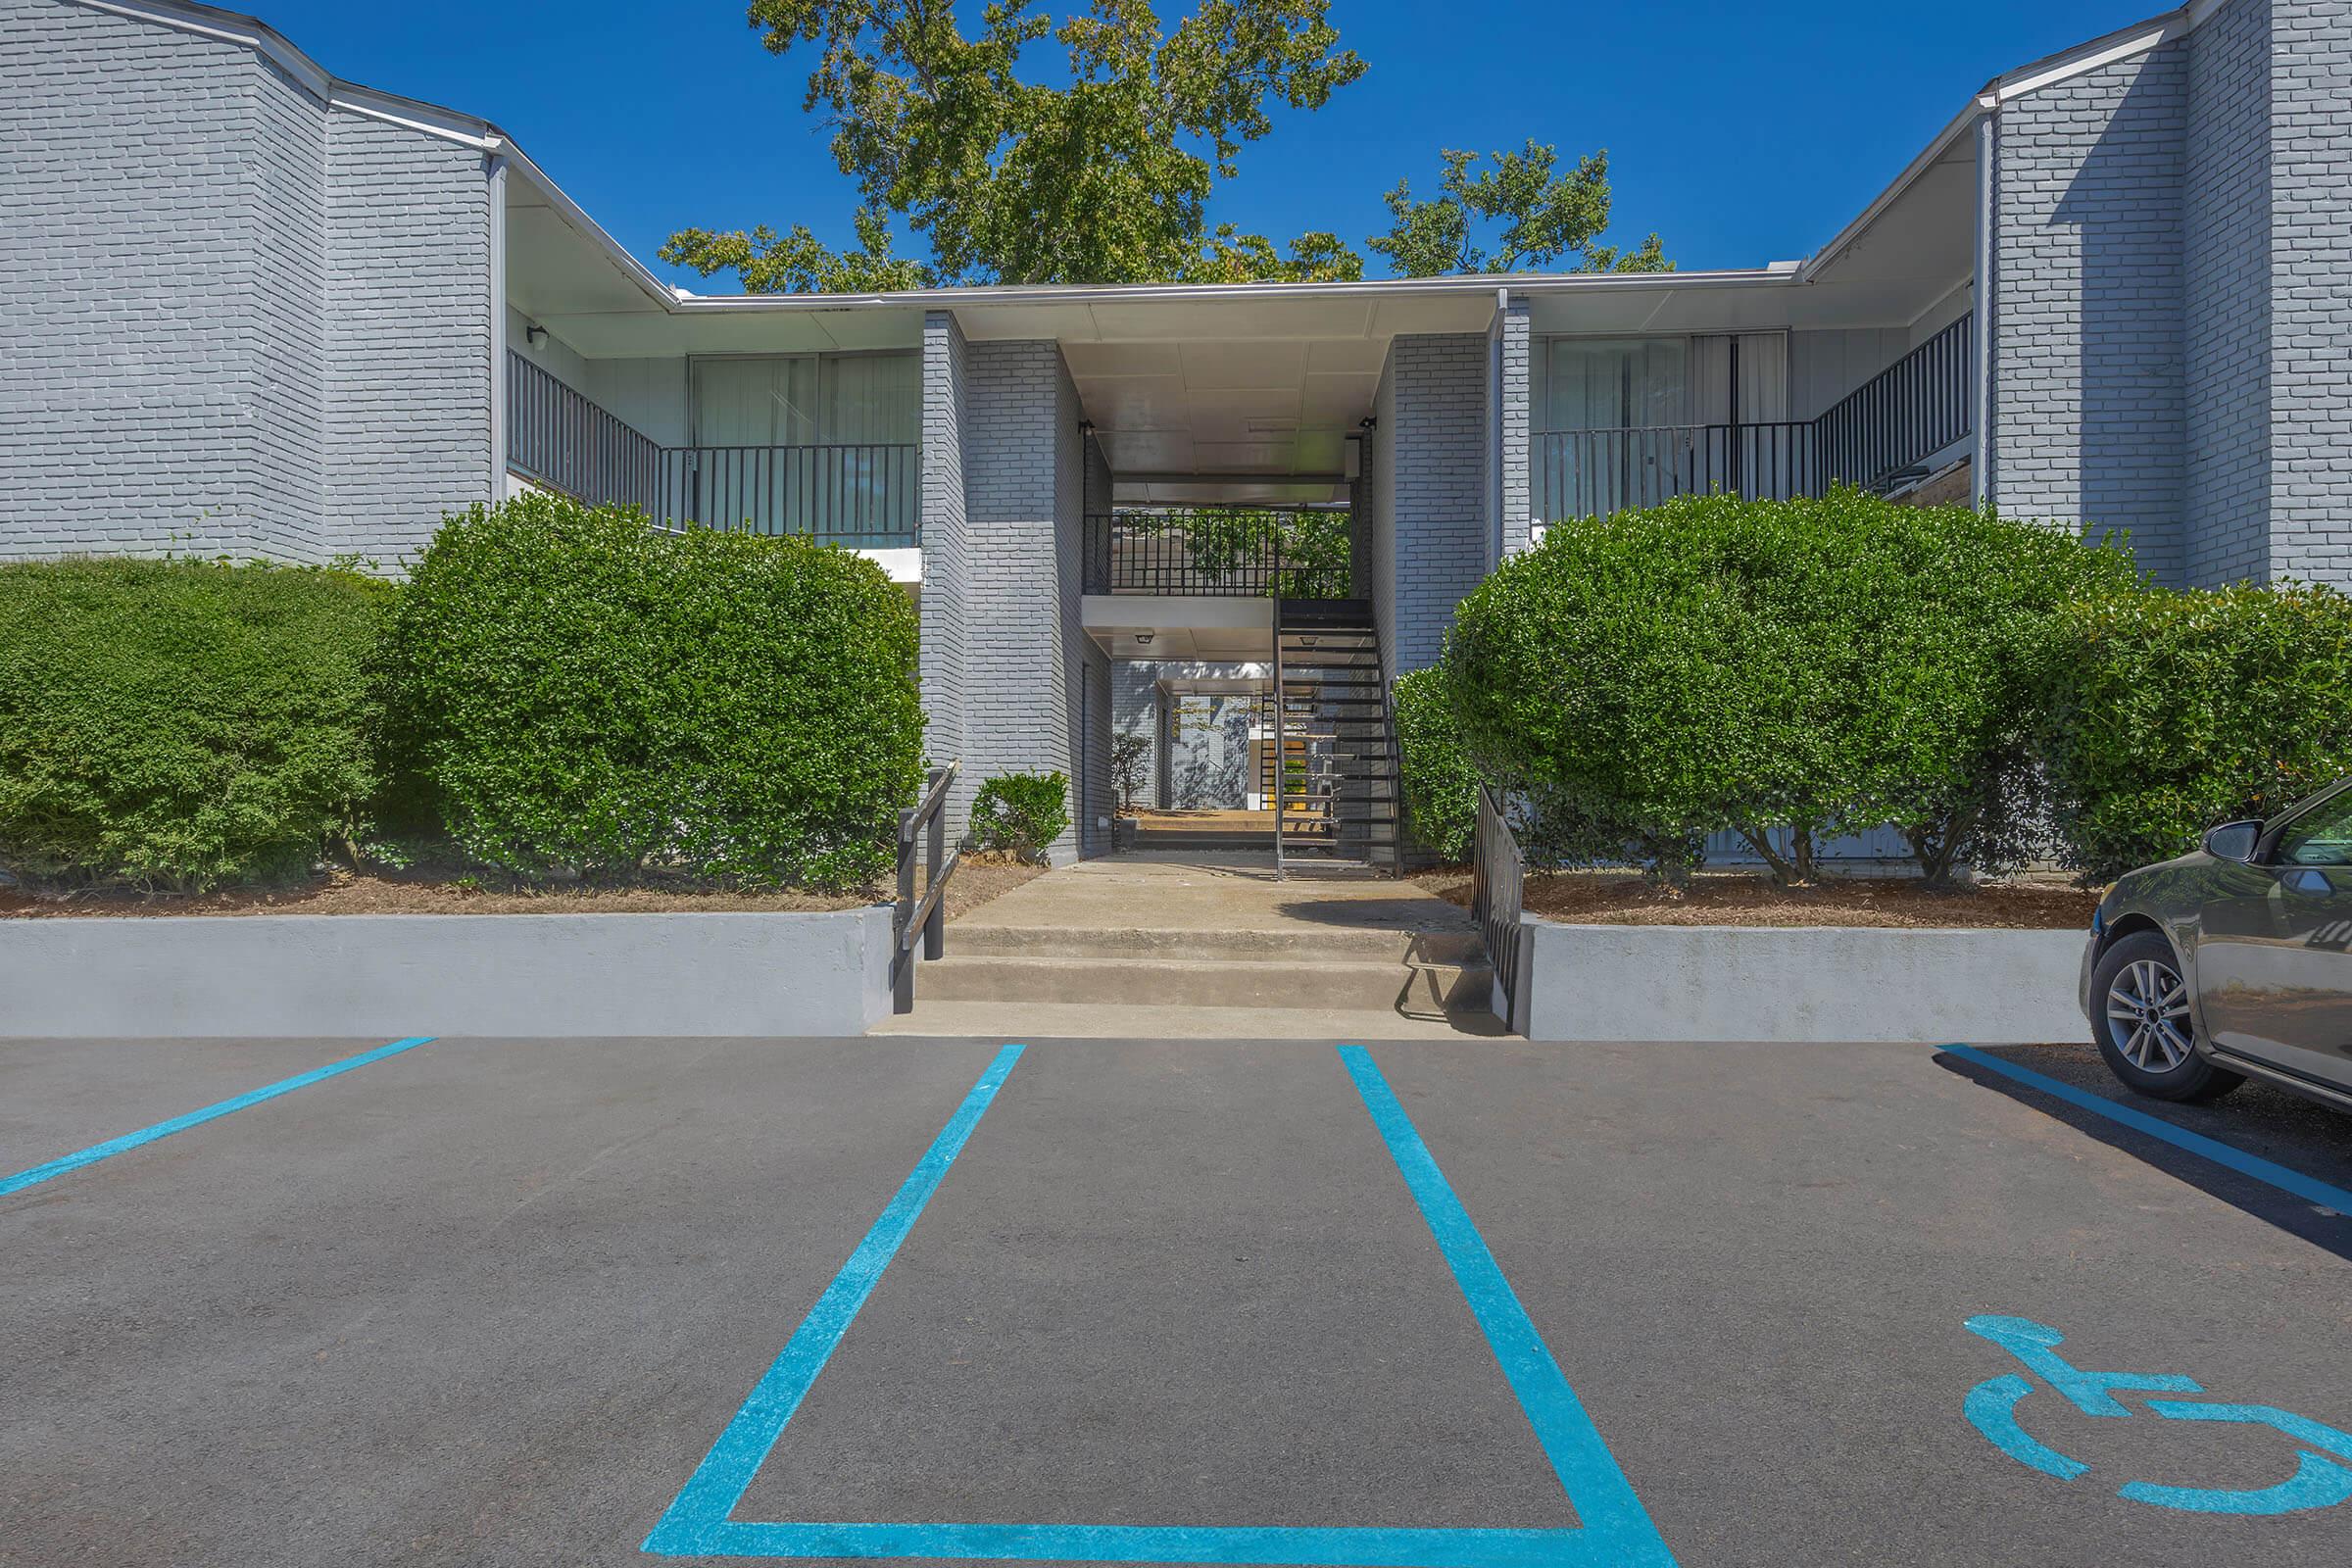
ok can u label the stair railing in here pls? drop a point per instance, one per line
(925, 922)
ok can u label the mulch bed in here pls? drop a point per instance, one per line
(1612, 898)
(977, 880)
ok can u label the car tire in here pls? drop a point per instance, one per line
(2143, 1025)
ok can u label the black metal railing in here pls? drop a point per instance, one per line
(856, 494)
(566, 442)
(1500, 880)
(1235, 552)
(862, 494)
(1906, 413)
(925, 922)
(1582, 473)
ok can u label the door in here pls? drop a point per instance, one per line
(2275, 949)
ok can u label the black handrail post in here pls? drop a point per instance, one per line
(935, 850)
(902, 994)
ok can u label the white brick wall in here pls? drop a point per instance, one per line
(947, 578)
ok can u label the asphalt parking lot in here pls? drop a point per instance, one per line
(1473, 1304)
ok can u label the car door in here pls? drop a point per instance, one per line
(2275, 947)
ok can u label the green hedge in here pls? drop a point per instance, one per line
(1441, 787)
(1021, 814)
(2170, 711)
(581, 693)
(174, 725)
(1784, 670)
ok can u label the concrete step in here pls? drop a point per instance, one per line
(1363, 944)
(998, 1021)
(1317, 983)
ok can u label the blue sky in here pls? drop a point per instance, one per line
(1742, 133)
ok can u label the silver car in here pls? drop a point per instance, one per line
(2233, 961)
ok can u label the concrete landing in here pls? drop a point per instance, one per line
(1208, 947)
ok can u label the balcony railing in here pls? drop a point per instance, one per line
(1221, 551)
(566, 442)
(1908, 413)
(862, 494)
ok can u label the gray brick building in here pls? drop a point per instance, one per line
(261, 310)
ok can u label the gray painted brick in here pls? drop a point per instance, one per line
(243, 322)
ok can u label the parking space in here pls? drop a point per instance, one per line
(515, 1301)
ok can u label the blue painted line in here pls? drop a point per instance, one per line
(196, 1118)
(718, 1483)
(1613, 1516)
(2310, 1189)
(1614, 1531)
(1991, 1409)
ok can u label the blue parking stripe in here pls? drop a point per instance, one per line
(1616, 1527)
(718, 1482)
(1613, 1531)
(194, 1118)
(2309, 1189)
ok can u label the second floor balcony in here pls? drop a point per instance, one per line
(864, 495)
(1873, 438)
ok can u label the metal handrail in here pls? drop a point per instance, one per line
(1499, 880)
(926, 921)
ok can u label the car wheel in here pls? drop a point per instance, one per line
(2141, 1023)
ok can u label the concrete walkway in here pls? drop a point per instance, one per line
(1207, 946)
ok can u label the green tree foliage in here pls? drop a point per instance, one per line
(1784, 670)
(1102, 175)
(583, 693)
(1539, 219)
(1314, 548)
(1021, 814)
(2170, 711)
(176, 725)
(1441, 787)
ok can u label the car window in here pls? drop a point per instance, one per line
(2322, 838)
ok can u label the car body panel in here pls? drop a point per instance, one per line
(2266, 949)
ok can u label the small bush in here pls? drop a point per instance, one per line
(579, 692)
(1021, 814)
(2172, 712)
(176, 724)
(1441, 787)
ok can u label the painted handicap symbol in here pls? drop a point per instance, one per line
(1991, 1409)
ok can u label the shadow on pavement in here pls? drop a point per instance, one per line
(2268, 1123)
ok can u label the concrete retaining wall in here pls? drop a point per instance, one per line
(723, 974)
(1830, 984)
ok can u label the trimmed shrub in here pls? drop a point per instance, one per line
(177, 724)
(1785, 670)
(2172, 712)
(1021, 814)
(1441, 787)
(581, 693)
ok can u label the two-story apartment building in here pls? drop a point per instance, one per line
(258, 310)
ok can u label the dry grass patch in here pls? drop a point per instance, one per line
(1723, 897)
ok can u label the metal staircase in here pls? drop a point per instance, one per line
(1331, 763)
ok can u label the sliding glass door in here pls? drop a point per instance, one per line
(1629, 421)
(807, 443)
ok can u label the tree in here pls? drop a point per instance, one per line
(1105, 178)
(1547, 219)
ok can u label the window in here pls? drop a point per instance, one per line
(2319, 837)
(807, 400)
(820, 444)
